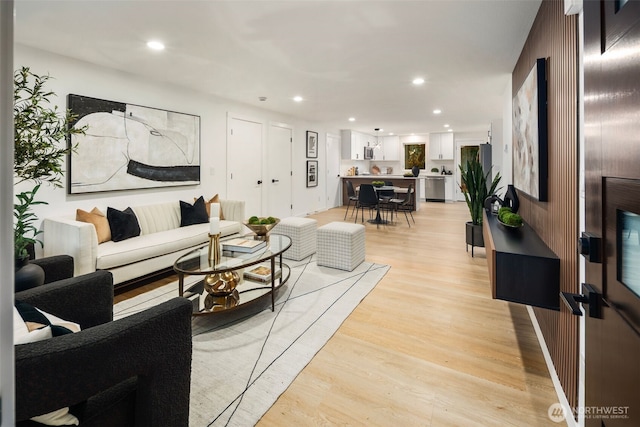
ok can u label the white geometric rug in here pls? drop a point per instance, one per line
(240, 366)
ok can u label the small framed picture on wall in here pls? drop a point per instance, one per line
(312, 173)
(312, 144)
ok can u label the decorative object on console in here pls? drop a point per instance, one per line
(475, 191)
(509, 219)
(312, 173)
(511, 199)
(530, 159)
(312, 144)
(37, 135)
(162, 148)
(493, 203)
(123, 224)
(415, 171)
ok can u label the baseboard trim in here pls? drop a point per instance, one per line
(562, 399)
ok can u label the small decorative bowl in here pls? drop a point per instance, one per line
(510, 227)
(261, 230)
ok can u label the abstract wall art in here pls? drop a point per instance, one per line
(128, 146)
(530, 159)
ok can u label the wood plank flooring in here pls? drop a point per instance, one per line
(428, 346)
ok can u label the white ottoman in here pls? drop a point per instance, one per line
(341, 245)
(302, 232)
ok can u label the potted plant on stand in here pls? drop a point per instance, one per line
(40, 133)
(475, 188)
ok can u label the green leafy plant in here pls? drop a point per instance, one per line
(474, 187)
(39, 149)
(506, 216)
(377, 183)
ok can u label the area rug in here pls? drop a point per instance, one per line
(241, 365)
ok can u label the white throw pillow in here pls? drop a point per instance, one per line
(31, 330)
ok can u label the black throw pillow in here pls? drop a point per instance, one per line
(123, 224)
(193, 214)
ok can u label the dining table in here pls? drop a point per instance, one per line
(397, 190)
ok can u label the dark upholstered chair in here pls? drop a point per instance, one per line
(134, 371)
(352, 197)
(367, 198)
(405, 205)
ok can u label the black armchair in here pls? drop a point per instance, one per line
(132, 371)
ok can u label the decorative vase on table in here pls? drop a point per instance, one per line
(27, 275)
(415, 171)
(511, 199)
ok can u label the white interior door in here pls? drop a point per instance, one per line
(244, 163)
(334, 193)
(278, 177)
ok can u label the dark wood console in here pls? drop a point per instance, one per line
(522, 268)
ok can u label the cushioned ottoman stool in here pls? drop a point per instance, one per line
(302, 232)
(341, 245)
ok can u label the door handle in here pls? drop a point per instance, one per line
(275, 180)
(259, 181)
(591, 296)
(590, 246)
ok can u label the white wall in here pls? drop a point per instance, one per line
(71, 76)
(507, 136)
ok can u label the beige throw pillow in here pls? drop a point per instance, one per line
(99, 221)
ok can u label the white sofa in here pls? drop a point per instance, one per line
(160, 243)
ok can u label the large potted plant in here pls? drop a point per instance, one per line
(476, 188)
(40, 133)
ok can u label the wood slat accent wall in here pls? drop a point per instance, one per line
(555, 36)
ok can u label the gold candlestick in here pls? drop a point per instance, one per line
(214, 249)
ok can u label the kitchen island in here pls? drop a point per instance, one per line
(396, 180)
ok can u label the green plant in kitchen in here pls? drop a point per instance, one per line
(475, 189)
(39, 150)
(435, 170)
(377, 183)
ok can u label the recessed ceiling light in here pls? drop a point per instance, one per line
(418, 81)
(446, 125)
(297, 98)
(437, 111)
(450, 130)
(352, 119)
(390, 133)
(155, 45)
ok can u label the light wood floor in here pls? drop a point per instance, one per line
(428, 346)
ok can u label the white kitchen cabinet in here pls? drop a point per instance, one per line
(441, 146)
(388, 149)
(353, 144)
(449, 188)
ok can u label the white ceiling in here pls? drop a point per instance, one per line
(345, 58)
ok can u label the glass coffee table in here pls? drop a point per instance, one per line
(237, 280)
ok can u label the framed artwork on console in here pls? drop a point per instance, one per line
(130, 147)
(312, 144)
(530, 149)
(312, 173)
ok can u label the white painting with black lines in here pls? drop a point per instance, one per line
(129, 146)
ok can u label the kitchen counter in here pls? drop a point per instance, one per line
(396, 180)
